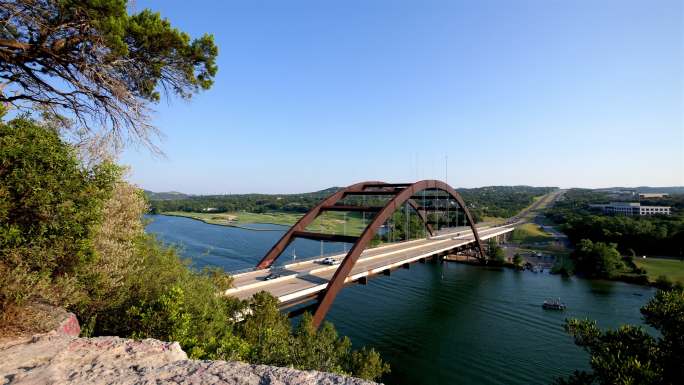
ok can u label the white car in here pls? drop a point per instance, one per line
(329, 261)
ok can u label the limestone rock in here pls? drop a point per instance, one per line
(57, 358)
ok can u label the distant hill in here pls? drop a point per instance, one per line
(175, 195)
(164, 196)
(648, 189)
(491, 201)
(668, 190)
(326, 192)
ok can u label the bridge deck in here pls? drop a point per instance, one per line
(304, 279)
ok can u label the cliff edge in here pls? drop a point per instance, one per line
(60, 357)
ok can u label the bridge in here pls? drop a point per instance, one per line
(447, 225)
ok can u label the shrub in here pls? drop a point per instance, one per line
(73, 236)
(597, 259)
(497, 257)
(629, 354)
(50, 206)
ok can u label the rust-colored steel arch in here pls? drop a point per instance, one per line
(401, 193)
(329, 204)
(342, 272)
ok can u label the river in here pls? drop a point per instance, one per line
(440, 323)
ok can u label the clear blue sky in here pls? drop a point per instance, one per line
(312, 94)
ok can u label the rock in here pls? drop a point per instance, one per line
(58, 358)
(38, 318)
(69, 326)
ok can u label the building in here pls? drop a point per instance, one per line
(652, 195)
(631, 209)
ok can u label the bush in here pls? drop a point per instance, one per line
(517, 260)
(73, 236)
(629, 354)
(50, 207)
(597, 259)
(497, 257)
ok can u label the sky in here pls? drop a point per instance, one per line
(313, 94)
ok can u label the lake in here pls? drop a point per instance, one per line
(438, 323)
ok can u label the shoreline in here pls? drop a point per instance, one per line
(509, 265)
(236, 225)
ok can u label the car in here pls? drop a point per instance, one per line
(272, 276)
(329, 261)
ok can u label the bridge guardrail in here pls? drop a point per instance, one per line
(276, 268)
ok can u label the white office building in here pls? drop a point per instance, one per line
(652, 195)
(632, 209)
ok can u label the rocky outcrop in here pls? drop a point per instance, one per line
(59, 357)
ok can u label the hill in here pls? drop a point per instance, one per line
(169, 195)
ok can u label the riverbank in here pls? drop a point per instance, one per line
(672, 269)
(659, 272)
(222, 222)
(329, 222)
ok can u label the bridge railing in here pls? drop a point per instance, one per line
(289, 262)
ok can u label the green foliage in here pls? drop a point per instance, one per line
(218, 277)
(496, 255)
(517, 260)
(50, 207)
(500, 201)
(272, 342)
(366, 363)
(597, 259)
(91, 60)
(629, 355)
(267, 331)
(653, 235)
(167, 300)
(563, 266)
(73, 236)
(494, 201)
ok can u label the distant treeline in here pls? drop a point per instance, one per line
(493, 201)
(657, 235)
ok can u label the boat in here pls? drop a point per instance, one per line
(554, 305)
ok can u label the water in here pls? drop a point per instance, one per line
(232, 248)
(441, 324)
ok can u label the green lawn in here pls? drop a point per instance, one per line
(529, 233)
(329, 222)
(655, 267)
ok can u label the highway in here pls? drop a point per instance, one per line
(302, 280)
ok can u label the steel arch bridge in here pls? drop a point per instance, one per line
(399, 194)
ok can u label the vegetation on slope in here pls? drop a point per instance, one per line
(73, 236)
(494, 201)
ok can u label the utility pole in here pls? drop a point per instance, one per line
(446, 180)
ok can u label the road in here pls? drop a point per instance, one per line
(301, 280)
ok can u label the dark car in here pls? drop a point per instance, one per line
(272, 276)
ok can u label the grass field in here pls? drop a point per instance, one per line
(529, 233)
(329, 222)
(492, 221)
(655, 267)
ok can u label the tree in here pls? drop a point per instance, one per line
(496, 253)
(91, 60)
(517, 260)
(630, 355)
(50, 209)
(597, 259)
